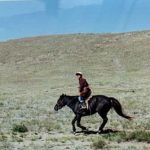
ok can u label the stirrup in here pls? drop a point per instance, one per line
(83, 106)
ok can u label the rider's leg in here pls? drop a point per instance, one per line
(80, 98)
(85, 97)
(82, 101)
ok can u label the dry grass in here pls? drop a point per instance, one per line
(34, 72)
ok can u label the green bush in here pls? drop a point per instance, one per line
(1, 104)
(20, 128)
(140, 136)
(98, 143)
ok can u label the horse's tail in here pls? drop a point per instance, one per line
(118, 108)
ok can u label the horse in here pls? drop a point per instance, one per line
(97, 104)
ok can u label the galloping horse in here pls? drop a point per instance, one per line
(97, 104)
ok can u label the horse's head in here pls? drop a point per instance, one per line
(60, 103)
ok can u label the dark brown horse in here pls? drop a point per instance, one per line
(97, 104)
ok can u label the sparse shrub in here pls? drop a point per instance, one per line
(146, 125)
(2, 137)
(140, 136)
(133, 148)
(1, 104)
(99, 143)
(118, 137)
(20, 128)
(19, 140)
(53, 127)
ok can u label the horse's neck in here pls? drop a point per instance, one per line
(71, 103)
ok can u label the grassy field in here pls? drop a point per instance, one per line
(34, 72)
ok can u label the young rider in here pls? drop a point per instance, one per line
(84, 89)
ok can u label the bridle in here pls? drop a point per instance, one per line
(60, 104)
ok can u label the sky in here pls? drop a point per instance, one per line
(76, 3)
(28, 18)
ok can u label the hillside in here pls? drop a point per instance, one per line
(35, 71)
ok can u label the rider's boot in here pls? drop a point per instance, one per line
(83, 105)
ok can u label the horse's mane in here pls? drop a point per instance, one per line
(71, 97)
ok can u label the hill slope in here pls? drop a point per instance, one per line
(95, 55)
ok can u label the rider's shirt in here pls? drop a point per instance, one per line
(83, 83)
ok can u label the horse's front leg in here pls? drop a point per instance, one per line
(78, 123)
(73, 124)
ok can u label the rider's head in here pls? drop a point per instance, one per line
(79, 75)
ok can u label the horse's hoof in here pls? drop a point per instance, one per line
(74, 132)
(85, 129)
(100, 132)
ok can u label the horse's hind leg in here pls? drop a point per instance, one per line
(105, 119)
(78, 123)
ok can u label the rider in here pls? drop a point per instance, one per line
(84, 89)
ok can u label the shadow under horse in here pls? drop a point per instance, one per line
(97, 104)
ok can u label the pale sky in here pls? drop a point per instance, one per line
(74, 3)
(26, 18)
(15, 7)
